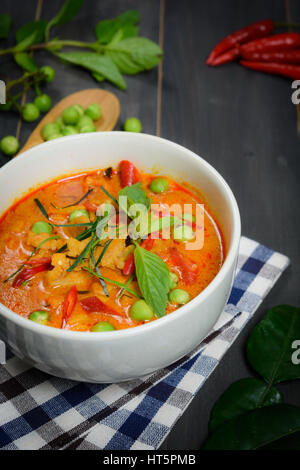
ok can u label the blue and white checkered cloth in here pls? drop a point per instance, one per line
(38, 411)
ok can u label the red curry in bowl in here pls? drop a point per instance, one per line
(60, 266)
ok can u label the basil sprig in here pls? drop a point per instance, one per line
(131, 195)
(153, 279)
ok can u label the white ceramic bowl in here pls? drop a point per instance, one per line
(126, 354)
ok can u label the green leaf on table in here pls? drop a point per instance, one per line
(95, 63)
(27, 29)
(153, 279)
(98, 77)
(133, 195)
(54, 47)
(26, 42)
(106, 29)
(269, 348)
(129, 31)
(24, 60)
(133, 55)
(69, 9)
(5, 24)
(257, 428)
(243, 395)
(124, 33)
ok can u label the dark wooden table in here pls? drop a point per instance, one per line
(242, 122)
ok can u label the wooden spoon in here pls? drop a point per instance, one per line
(108, 102)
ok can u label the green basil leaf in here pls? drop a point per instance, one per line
(24, 60)
(269, 349)
(243, 395)
(5, 24)
(153, 279)
(26, 42)
(37, 27)
(129, 31)
(135, 195)
(69, 9)
(123, 33)
(133, 55)
(98, 77)
(95, 63)
(106, 29)
(256, 428)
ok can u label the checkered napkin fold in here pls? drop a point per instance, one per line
(38, 411)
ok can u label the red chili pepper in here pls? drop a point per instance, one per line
(68, 306)
(28, 273)
(148, 243)
(228, 56)
(93, 304)
(276, 43)
(256, 30)
(187, 269)
(129, 263)
(129, 173)
(291, 56)
(287, 70)
(90, 206)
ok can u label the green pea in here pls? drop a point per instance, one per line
(141, 311)
(39, 316)
(56, 135)
(59, 121)
(78, 213)
(70, 116)
(93, 111)
(48, 72)
(90, 128)
(84, 121)
(30, 112)
(179, 296)
(41, 227)
(79, 108)
(173, 280)
(69, 130)
(50, 128)
(189, 217)
(133, 124)
(9, 145)
(43, 103)
(183, 233)
(159, 185)
(102, 326)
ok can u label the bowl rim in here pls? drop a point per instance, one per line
(181, 311)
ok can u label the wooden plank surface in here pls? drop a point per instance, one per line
(242, 122)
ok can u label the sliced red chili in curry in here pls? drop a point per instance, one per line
(187, 269)
(68, 306)
(27, 273)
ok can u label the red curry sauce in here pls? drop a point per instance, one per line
(50, 289)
